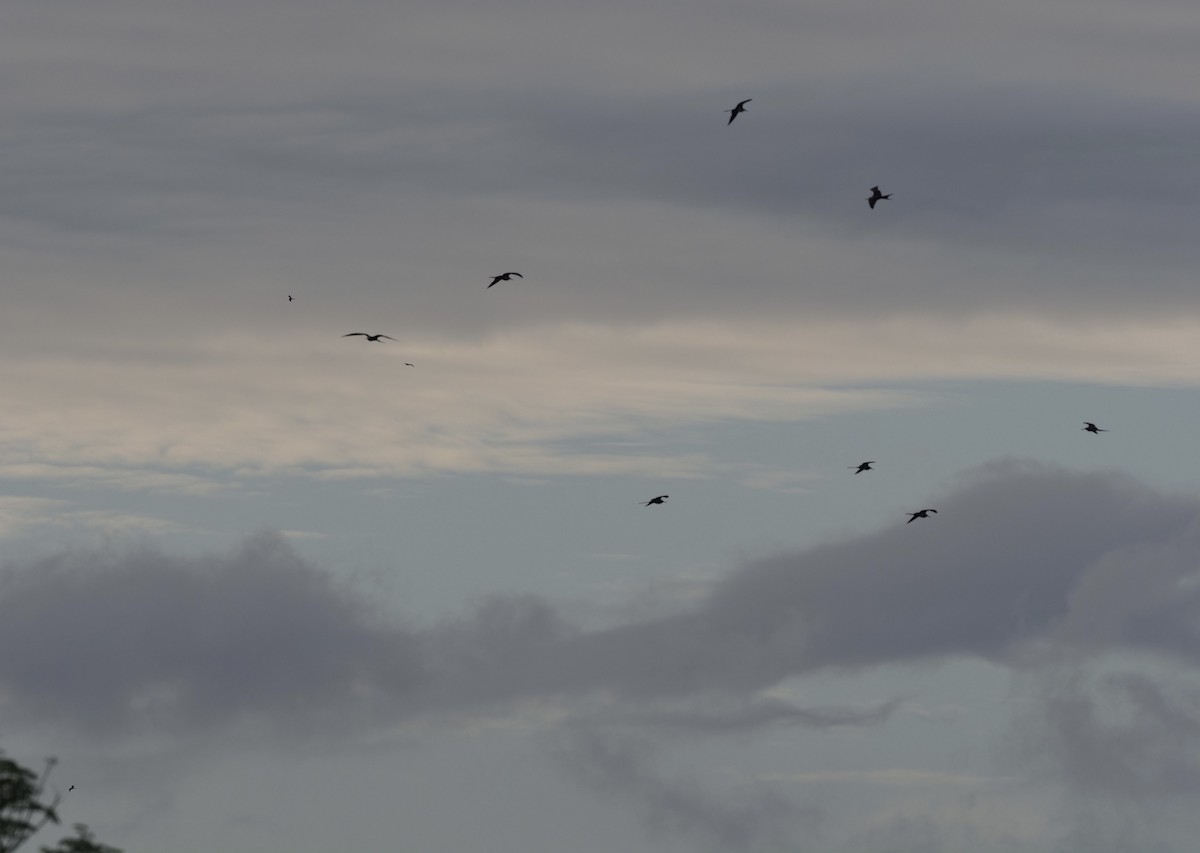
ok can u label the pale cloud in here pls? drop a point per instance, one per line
(562, 399)
(113, 476)
(27, 515)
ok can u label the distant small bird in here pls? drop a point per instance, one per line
(656, 500)
(290, 298)
(866, 466)
(922, 514)
(1091, 427)
(409, 364)
(740, 108)
(370, 338)
(72, 788)
(875, 196)
(506, 277)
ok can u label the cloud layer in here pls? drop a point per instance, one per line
(1056, 574)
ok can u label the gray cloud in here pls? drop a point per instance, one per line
(1125, 736)
(1056, 191)
(729, 716)
(620, 766)
(1024, 563)
(1034, 567)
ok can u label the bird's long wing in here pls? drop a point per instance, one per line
(389, 337)
(352, 334)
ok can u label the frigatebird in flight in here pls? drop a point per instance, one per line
(1091, 427)
(875, 196)
(866, 466)
(370, 338)
(506, 277)
(740, 108)
(656, 500)
(922, 514)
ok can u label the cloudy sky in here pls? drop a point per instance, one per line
(268, 588)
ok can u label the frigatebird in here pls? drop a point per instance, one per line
(506, 277)
(922, 514)
(1091, 427)
(875, 196)
(370, 338)
(656, 500)
(866, 466)
(740, 108)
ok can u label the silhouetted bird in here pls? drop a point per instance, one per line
(875, 196)
(1091, 427)
(506, 277)
(922, 514)
(370, 338)
(656, 500)
(740, 108)
(290, 298)
(409, 364)
(72, 788)
(866, 466)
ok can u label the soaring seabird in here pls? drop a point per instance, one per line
(740, 108)
(875, 196)
(656, 500)
(370, 338)
(866, 466)
(506, 277)
(1091, 427)
(922, 514)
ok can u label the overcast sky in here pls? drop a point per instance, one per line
(265, 587)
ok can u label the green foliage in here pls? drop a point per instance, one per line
(24, 810)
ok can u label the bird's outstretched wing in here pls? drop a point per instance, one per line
(871, 201)
(389, 337)
(352, 334)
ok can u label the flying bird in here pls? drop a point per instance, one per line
(866, 466)
(290, 299)
(656, 500)
(506, 277)
(740, 108)
(409, 364)
(72, 788)
(875, 196)
(922, 514)
(1091, 427)
(370, 338)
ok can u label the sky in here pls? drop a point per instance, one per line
(266, 587)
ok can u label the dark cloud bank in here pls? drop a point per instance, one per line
(1052, 572)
